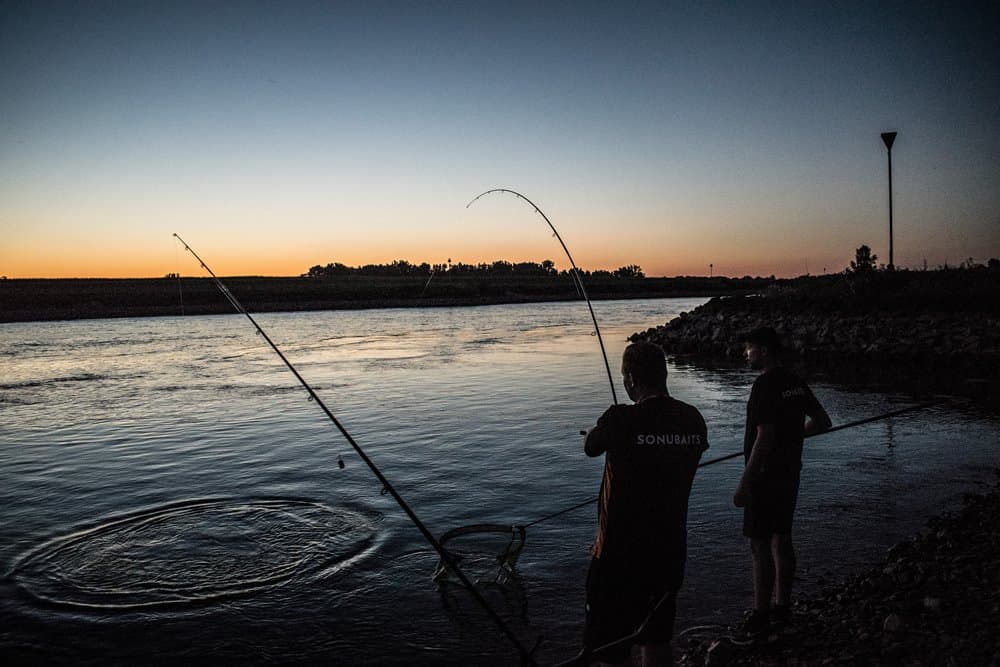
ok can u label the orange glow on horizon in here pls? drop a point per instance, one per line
(659, 248)
(231, 264)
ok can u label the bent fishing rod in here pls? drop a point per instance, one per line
(526, 657)
(576, 275)
(839, 427)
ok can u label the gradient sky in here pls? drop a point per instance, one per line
(275, 136)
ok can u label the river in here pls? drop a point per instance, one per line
(168, 491)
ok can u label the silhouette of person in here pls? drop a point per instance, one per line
(781, 412)
(651, 450)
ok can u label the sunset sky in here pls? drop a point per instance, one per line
(673, 135)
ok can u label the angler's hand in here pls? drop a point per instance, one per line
(742, 496)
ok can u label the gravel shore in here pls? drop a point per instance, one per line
(934, 600)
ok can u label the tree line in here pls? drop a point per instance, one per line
(865, 262)
(498, 268)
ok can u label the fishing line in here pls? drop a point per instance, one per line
(859, 422)
(387, 486)
(427, 284)
(180, 289)
(576, 276)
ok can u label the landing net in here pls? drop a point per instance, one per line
(486, 552)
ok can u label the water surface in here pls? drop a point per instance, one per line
(167, 489)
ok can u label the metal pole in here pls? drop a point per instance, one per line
(890, 210)
(888, 138)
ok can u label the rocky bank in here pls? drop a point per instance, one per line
(934, 600)
(931, 351)
(927, 339)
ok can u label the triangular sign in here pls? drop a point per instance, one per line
(888, 138)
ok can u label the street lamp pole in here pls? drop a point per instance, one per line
(888, 138)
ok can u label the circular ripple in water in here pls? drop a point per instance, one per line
(195, 552)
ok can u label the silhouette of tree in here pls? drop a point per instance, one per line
(864, 261)
(330, 270)
(401, 267)
(630, 271)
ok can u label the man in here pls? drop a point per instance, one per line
(781, 412)
(651, 448)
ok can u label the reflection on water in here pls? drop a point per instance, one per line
(114, 432)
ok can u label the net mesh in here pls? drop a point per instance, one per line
(486, 553)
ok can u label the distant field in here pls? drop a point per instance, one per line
(66, 299)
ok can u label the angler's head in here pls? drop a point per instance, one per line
(762, 348)
(644, 370)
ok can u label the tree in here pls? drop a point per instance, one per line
(630, 271)
(330, 270)
(864, 261)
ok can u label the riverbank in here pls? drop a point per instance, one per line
(938, 325)
(24, 300)
(933, 600)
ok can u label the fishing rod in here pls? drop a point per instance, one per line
(576, 275)
(587, 655)
(526, 657)
(840, 427)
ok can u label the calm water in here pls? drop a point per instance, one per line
(168, 491)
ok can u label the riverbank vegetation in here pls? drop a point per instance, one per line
(862, 291)
(336, 286)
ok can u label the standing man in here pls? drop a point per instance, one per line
(781, 412)
(651, 448)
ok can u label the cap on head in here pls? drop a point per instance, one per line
(765, 337)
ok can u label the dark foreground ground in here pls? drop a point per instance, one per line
(934, 600)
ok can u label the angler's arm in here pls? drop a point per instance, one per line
(600, 438)
(755, 464)
(817, 421)
(596, 441)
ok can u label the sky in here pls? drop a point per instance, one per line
(688, 138)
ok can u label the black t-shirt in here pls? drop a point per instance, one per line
(780, 398)
(652, 452)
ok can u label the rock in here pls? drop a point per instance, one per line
(911, 338)
(948, 616)
(892, 623)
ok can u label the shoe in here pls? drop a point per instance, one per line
(755, 627)
(781, 617)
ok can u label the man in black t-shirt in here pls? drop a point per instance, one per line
(781, 412)
(651, 449)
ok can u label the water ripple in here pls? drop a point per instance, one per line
(194, 552)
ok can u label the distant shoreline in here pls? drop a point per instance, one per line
(39, 300)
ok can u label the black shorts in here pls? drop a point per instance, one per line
(618, 602)
(771, 506)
